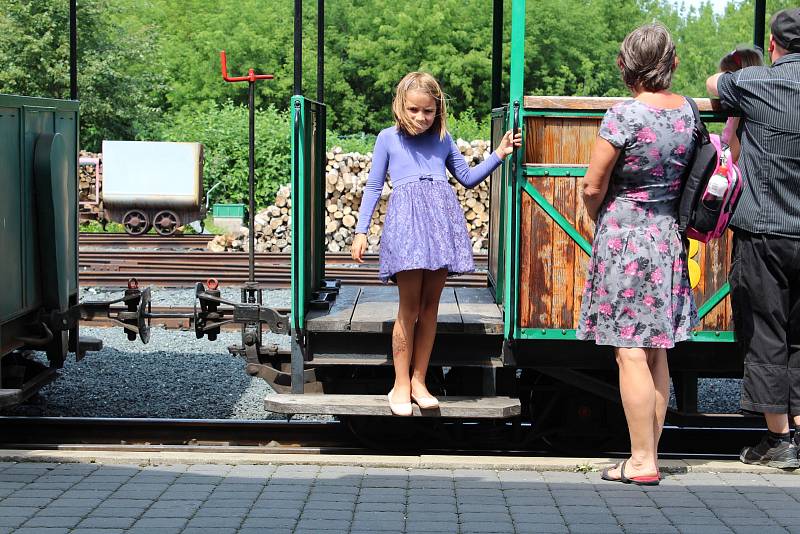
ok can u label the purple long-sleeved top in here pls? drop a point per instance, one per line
(413, 157)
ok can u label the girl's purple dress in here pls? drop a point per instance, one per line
(425, 226)
(637, 290)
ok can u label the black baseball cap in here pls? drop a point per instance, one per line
(785, 26)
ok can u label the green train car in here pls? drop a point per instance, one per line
(506, 352)
(38, 240)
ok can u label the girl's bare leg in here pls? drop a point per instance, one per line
(409, 285)
(638, 393)
(425, 334)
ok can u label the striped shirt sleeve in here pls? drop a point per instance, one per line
(730, 95)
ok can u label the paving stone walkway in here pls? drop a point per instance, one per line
(38, 498)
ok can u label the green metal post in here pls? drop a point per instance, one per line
(510, 304)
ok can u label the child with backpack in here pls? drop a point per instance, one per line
(738, 59)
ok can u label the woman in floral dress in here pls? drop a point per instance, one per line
(637, 297)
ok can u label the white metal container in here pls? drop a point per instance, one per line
(155, 175)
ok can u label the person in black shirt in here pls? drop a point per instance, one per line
(765, 264)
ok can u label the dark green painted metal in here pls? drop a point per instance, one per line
(713, 300)
(39, 211)
(513, 191)
(559, 219)
(11, 237)
(51, 174)
(555, 171)
(308, 204)
(568, 334)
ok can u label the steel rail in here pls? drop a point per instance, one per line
(279, 436)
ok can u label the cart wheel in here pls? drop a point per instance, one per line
(136, 222)
(166, 222)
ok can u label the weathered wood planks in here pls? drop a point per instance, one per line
(378, 405)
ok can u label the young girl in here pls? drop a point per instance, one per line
(425, 235)
(738, 59)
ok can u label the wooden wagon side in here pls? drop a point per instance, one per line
(555, 232)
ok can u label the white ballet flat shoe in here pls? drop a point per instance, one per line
(399, 408)
(425, 403)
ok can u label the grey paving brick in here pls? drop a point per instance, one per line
(435, 517)
(12, 521)
(160, 522)
(265, 530)
(25, 502)
(207, 511)
(107, 522)
(18, 511)
(148, 530)
(381, 507)
(209, 530)
(547, 517)
(595, 529)
(431, 527)
(540, 528)
(479, 527)
(431, 499)
(326, 514)
(481, 516)
(211, 522)
(703, 529)
(126, 503)
(108, 511)
(275, 513)
(41, 530)
(36, 493)
(530, 501)
(52, 521)
(590, 519)
(69, 511)
(427, 507)
(321, 525)
(332, 497)
(271, 522)
(378, 526)
(333, 505)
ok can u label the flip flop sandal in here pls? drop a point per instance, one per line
(645, 480)
(605, 476)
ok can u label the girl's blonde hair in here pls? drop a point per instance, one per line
(424, 83)
(740, 58)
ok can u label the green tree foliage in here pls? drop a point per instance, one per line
(34, 47)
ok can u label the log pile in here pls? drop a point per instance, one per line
(345, 179)
(90, 185)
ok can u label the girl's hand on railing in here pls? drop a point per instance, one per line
(359, 247)
(508, 143)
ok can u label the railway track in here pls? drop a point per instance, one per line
(149, 241)
(181, 268)
(297, 437)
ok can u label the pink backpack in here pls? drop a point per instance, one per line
(700, 216)
(710, 222)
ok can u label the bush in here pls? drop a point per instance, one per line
(223, 131)
(467, 127)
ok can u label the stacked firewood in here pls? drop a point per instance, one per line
(345, 179)
(89, 188)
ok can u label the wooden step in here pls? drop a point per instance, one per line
(372, 309)
(378, 405)
(385, 360)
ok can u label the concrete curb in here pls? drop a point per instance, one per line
(504, 463)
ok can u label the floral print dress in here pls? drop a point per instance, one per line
(637, 291)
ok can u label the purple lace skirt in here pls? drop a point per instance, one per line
(424, 229)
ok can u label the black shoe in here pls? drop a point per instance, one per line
(782, 456)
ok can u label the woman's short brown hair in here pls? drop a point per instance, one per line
(425, 83)
(647, 58)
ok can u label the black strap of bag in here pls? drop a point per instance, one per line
(698, 170)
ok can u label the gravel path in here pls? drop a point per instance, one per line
(179, 376)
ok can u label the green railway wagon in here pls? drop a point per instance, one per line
(506, 352)
(38, 239)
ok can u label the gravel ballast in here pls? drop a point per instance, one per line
(177, 375)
